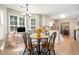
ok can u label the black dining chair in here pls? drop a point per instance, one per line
(46, 48)
(28, 43)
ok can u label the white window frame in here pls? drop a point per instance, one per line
(17, 21)
(34, 25)
(9, 22)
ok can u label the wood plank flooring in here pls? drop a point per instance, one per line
(69, 46)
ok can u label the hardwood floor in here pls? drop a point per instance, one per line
(12, 50)
(69, 46)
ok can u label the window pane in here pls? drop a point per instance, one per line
(11, 18)
(13, 23)
(15, 18)
(33, 22)
(12, 28)
(21, 22)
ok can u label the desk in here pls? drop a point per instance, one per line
(38, 43)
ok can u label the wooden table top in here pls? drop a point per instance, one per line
(41, 37)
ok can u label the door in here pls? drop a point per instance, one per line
(65, 28)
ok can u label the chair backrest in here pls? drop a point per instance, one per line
(24, 38)
(27, 40)
(52, 40)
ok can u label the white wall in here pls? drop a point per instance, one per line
(73, 24)
(45, 20)
(3, 25)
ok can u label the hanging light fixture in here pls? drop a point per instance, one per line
(26, 10)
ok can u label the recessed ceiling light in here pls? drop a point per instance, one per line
(62, 16)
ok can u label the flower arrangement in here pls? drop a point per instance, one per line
(38, 32)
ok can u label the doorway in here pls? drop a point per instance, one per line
(65, 28)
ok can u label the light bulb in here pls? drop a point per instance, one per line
(29, 14)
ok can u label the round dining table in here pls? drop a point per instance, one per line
(39, 40)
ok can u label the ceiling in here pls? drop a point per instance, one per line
(48, 9)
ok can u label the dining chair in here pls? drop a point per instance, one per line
(28, 43)
(47, 47)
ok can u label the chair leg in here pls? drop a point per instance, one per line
(54, 52)
(30, 51)
(24, 51)
(49, 53)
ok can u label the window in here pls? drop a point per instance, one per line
(13, 23)
(16, 21)
(33, 25)
(21, 22)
